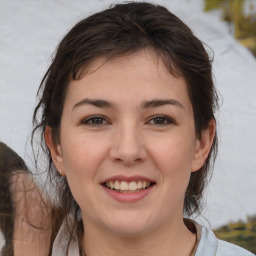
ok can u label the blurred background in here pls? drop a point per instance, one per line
(30, 31)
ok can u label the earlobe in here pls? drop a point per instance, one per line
(203, 146)
(56, 152)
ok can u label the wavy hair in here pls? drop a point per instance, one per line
(121, 30)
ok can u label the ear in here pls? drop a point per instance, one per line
(55, 149)
(203, 146)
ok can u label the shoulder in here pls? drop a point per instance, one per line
(228, 249)
(211, 246)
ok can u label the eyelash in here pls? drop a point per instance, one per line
(165, 120)
(89, 121)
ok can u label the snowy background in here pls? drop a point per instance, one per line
(29, 33)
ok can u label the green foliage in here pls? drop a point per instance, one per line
(233, 12)
(239, 233)
(214, 4)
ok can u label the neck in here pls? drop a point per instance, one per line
(169, 240)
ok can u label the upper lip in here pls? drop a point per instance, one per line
(127, 179)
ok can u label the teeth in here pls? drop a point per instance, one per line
(133, 185)
(111, 184)
(117, 185)
(139, 184)
(125, 186)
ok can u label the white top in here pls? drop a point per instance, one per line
(208, 245)
(211, 246)
(2, 241)
(60, 245)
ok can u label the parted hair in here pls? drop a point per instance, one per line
(121, 30)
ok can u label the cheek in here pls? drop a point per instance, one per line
(83, 157)
(173, 154)
(81, 153)
(173, 158)
(82, 160)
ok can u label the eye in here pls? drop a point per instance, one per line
(161, 120)
(95, 121)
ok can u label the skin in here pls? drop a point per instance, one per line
(128, 140)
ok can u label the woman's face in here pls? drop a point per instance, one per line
(128, 144)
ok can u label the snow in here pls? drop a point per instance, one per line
(30, 31)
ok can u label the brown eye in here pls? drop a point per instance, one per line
(161, 120)
(97, 120)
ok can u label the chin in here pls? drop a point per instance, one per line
(129, 230)
(129, 225)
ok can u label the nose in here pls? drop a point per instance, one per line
(128, 146)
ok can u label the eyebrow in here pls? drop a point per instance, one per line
(145, 104)
(95, 102)
(161, 102)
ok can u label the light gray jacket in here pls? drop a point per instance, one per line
(208, 245)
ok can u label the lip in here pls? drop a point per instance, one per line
(128, 197)
(128, 179)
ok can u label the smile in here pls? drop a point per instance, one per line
(128, 187)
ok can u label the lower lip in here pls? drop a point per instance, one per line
(128, 197)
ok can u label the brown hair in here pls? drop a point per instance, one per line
(121, 30)
(10, 164)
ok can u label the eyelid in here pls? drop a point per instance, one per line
(170, 120)
(86, 120)
(105, 121)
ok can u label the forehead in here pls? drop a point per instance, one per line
(144, 58)
(141, 75)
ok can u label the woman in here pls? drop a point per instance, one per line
(24, 218)
(126, 116)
